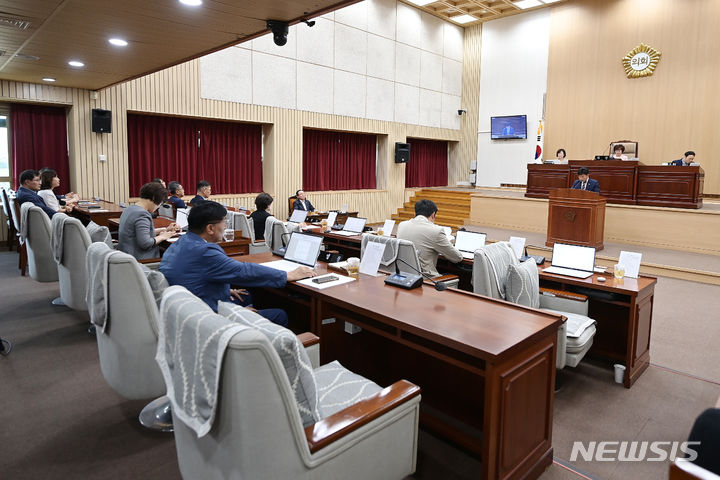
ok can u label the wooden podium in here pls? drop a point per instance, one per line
(576, 217)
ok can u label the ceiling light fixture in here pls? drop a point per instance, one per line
(118, 42)
(523, 4)
(48, 79)
(191, 3)
(75, 63)
(464, 18)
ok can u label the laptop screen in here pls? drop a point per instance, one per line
(573, 256)
(354, 224)
(469, 241)
(298, 216)
(181, 217)
(332, 216)
(303, 248)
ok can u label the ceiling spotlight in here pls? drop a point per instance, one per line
(279, 30)
(48, 79)
(191, 3)
(75, 63)
(307, 22)
(118, 42)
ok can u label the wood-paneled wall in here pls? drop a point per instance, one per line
(466, 149)
(590, 102)
(176, 91)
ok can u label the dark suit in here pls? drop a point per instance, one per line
(177, 201)
(592, 185)
(298, 205)
(197, 200)
(27, 195)
(679, 163)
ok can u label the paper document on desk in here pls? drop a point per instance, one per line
(371, 258)
(518, 245)
(341, 279)
(631, 262)
(387, 228)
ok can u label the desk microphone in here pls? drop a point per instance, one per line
(439, 286)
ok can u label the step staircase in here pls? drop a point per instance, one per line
(453, 206)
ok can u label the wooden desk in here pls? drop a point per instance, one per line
(100, 215)
(318, 216)
(160, 222)
(486, 367)
(626, 182)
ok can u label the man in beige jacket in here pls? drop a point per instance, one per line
(429, 239)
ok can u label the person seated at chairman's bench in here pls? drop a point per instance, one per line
(203, 193)
(29, 186)
(687, 159)
(302, 203)
(197, 263)
(429, 239)
(584, 182)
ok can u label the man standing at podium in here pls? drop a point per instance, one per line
(584, 182)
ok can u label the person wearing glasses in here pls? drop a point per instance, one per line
(176, 193)
(137, 235)
(198, 263)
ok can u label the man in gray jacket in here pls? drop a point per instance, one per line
(429, 239)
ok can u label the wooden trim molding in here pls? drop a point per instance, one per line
(563, 294)
(323, 433)
(308, 339)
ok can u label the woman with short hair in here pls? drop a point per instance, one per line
(49, 181)
(262, 204)
(137, 235)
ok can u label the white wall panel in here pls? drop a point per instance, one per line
(350, 49)
(381, 16)
(407, 64)
(316, 44)
(227, 75)
(266, 44)
(431, 33)
(431, 68)
(314, 88)
(273, 80)
(430, 108)
(452, 77)
(381, 57)
(450, 106)
(354, 15)
(453, 42)
(407, 100)
(408, 25)
(350, 92)
(380, 99)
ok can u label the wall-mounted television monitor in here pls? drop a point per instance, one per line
(511, 126)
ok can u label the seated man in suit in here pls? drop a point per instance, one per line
(687, 159)
(584, 182)
(429, 239)
(176, 193)
(199, 264)
(29, 186)
(302, 203)
(203, 193)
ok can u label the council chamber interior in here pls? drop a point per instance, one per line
(502, 114)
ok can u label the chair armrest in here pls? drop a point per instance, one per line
(579, 297)
(308, 339)
(151, 263)
(326, 431)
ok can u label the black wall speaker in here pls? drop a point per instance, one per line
(101, 120)
(402, 152)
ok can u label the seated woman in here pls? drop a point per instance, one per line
(137, 235)
(50, 181)
(618, 152)
(262, 205)
(561, 156)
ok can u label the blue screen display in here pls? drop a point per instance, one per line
(513, 126)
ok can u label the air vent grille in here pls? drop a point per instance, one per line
(12, 22)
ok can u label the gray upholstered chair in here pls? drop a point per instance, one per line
(12, 232)
(127, 342)
(70, 259)
(166, 210)
(277, 232)
(241, 222)
(490, 278)
(408, 258)
(258, 431)
(41, 264)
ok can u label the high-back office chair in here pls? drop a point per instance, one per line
(166, 210)
(70, 241)
(408, 262)
(490, 278)
(128, 341)
(257, 430)
(277, 232)
(8, 211)
(631, 148)
(241, 222)
(291, 202)
(38, 240)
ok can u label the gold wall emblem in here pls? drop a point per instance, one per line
(569, 215)
(641, 61)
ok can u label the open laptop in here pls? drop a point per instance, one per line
(302, 250)
(181, 218)
(572, 260)
(468, 242)
(298, 216)
(332, 216)
(353, 226)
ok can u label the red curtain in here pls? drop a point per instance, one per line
(39, 139)
(226, 154)
(338, 160)
(428, 165)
